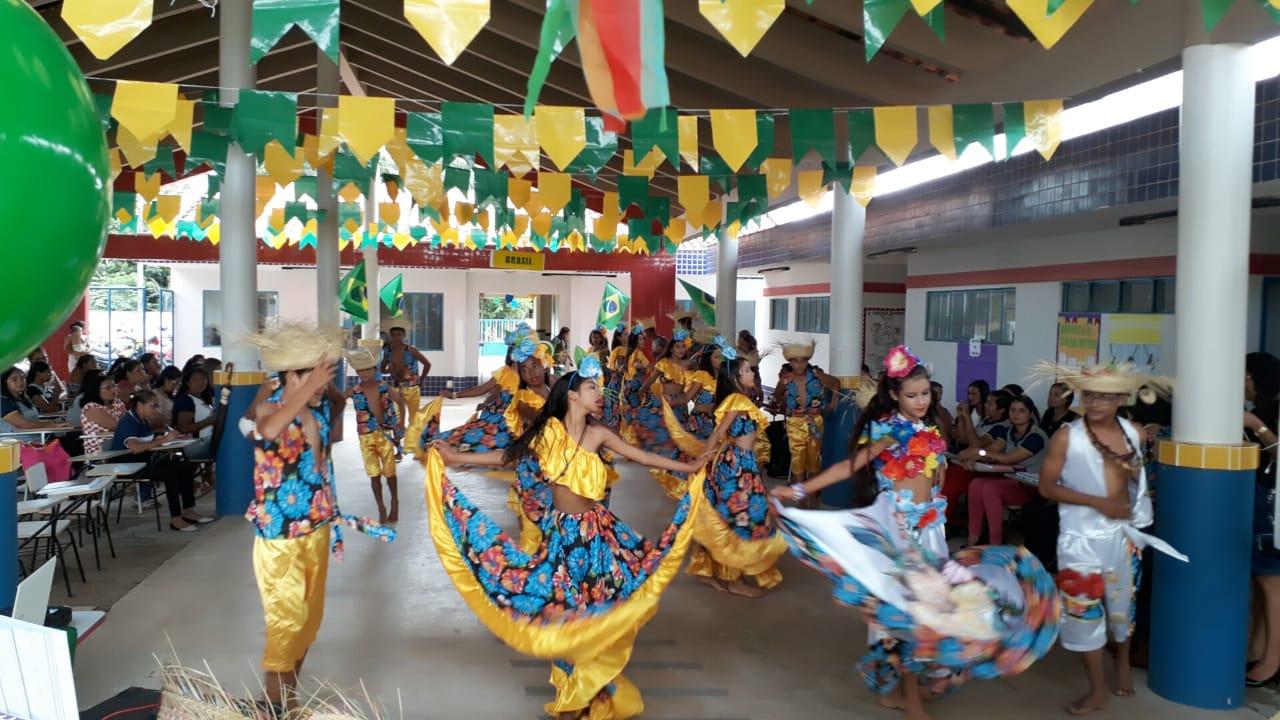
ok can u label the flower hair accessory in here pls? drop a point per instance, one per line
(900, 362)
(589, 368)
(526, 348)
(727, 351)
(637, 329)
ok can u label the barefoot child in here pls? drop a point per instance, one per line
(933, 621)
(1094, 471)
(377, 423)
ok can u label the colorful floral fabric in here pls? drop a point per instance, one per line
(811, 403)
(737, 492)
(365, 421)
(411, 376)
(702, 423)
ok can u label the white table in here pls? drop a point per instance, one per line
(33, 507)
(99, 456)
(115, 470)
(82, 493)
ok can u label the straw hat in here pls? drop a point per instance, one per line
(679, 315)
(295, 346)
(1114, 378)
(798, 350)
(648, 323)
(400, 323)
(361, 359)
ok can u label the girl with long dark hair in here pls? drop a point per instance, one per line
(735, 528)
(633, 387)
(663, 384)
(583, 594)
(933, 621)
(615, 370)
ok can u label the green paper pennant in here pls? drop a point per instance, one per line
(632, 190)
(1053, 6)
(215, 184)
(841, 172)
(468, 131)
(764, 142)
(879, 19)
(937, 22)
(753, 197)
(658, 128)
(862, 132)
(128, 202)
(103, 104)
(346, 168)
(601, 146)
(717, 170)
(207, 211)
(162, 162)
(558, 29)
(1212, 11)
(209, 148)
(350, 211)
(1275, 12)
(813, 128)
(658, 209)
(305, 186)
(424, 133)
(217, 119)
(261, 116)
(974, 123)
(295, 209)
(273, 18)
(1015, 126)
(491, 188)
(457, 177)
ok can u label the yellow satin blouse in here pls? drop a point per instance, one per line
(526, 397)
(700, 377)
(566, 463)
(740, 403)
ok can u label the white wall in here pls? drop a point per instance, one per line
(578, 299)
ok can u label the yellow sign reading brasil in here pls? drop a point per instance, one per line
(509, 260)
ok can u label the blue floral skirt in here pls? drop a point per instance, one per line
(613, 401)
(486, 430)
(736, 528)
(701, 424)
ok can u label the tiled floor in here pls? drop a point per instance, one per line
(395, 623)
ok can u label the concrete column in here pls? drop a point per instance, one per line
(1206, 479)
(848, 225)
(727, 285)
(9, 466)
(327, 270)
(237, 271)
(370, 330)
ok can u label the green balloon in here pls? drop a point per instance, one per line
(54, 182)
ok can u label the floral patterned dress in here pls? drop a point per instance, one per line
(985, 612)
(701, 423)
(613, 388)
(634, 395)
(651, 427)
(486, 430)
(582, 594)
(736, 528)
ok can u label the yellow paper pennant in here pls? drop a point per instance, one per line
(214, 233)
(687, 125)
(482, 219)
(105, 26)
(424, 183)
(330, 135)
(275, 221)
(146, 186)
(180, 127)
(541, 223)
(157, 226)
(733, 134)
(1047, 28)
(264, 191)
(606, 226)
(923, 7)
(942, 130)
(647, 168)
(389, 213)
(280, 165)
(515, 144)
(463, 212)
(1044, 125)
(349, 192)
(521, 225)
(398, 149)
(809, 186)
(392, 186)
(401, 240)
(742, 22)
(312, 227)
(864, 184)
(144, 108)
(676, 230)
(123, 216)
(113, 159)
(734, 228)
(136, 152)
(366, 124)
(693, 192)
(277, 241)
(519, 191)
(554, 191)
(507, 241)
(168, 207)
(897, 132)
(777, 173)
(609, 204)
(712, 214)
(562, 132)
(575, 241)
(448, 26)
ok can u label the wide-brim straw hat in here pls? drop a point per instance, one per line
(361, 359)
(399, 324)
(797, 350)
(679, 315)
(1113, 378)
(296, 346)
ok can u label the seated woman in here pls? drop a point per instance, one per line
(135, 434)
(193, 411)
(1059, 412)
(43, 389)
(969, 414)
(973, 440)
(75, 380)
(165, 384)
(946, 421)
(100, 411)
(17, 412)
(1022, 443)
(130, 377)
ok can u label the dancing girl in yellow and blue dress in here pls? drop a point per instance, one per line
(582, 595)
(934, 621)
(615, 370)
(665, 380)
(634, 392)
(736, 529)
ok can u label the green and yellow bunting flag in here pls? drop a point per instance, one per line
(703, 302)
(613, 307)
(353, 294)
(393, 295)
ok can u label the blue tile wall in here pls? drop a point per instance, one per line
(1132, 163)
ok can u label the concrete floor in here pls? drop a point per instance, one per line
(395, 623)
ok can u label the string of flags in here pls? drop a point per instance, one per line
(495, 161)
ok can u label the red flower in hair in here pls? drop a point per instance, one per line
(900, 361)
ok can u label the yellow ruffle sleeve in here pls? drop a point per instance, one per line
(527, 398)
(566, 463)
(507, 378)
(699, 377)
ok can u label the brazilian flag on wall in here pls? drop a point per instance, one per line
(393, 295)
(613, 307)
(353, 294)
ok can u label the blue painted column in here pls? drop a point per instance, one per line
(9, 466)
(1200, 610)
(837, 429)
(234, 462)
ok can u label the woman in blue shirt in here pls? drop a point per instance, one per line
(135, 434)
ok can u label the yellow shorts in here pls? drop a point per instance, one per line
(804, 437)
(379, 454)
(412, 395)
(291, 575)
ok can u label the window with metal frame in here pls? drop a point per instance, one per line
(268, 310)
(426, 320)
(987, 314)
(813, 314)
(779, 314)
(1136, 295)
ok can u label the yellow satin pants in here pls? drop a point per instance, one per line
(291, 575)
(412, 395)
(804, 437)
(379, 454)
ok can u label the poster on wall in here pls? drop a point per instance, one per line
(1144, 340)
(881, 331)
(1078, 337)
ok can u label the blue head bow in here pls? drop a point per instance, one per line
(727, 351)
(589, 368)
(524, 349)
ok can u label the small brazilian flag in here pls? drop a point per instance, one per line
(703, 303)
(613, 307)
(393, 295)
(353, 294)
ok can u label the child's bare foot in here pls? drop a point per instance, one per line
(741, 588)
(711, 582)
(394, 515)
(1124, 681)
(1092, 702)
(382, 513)
(893, 701)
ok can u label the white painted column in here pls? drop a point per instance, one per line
(370, 252)
(727, 285)
(238, 249)
(848, 226)
(327, 257)
(1214, 201)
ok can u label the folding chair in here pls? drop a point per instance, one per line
(30, 532)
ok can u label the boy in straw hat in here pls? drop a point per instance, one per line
(803, 402)
(400, 363)
(1094, 470)
(294, 499)
(380, 413)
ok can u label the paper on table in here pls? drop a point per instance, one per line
(42, 686)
